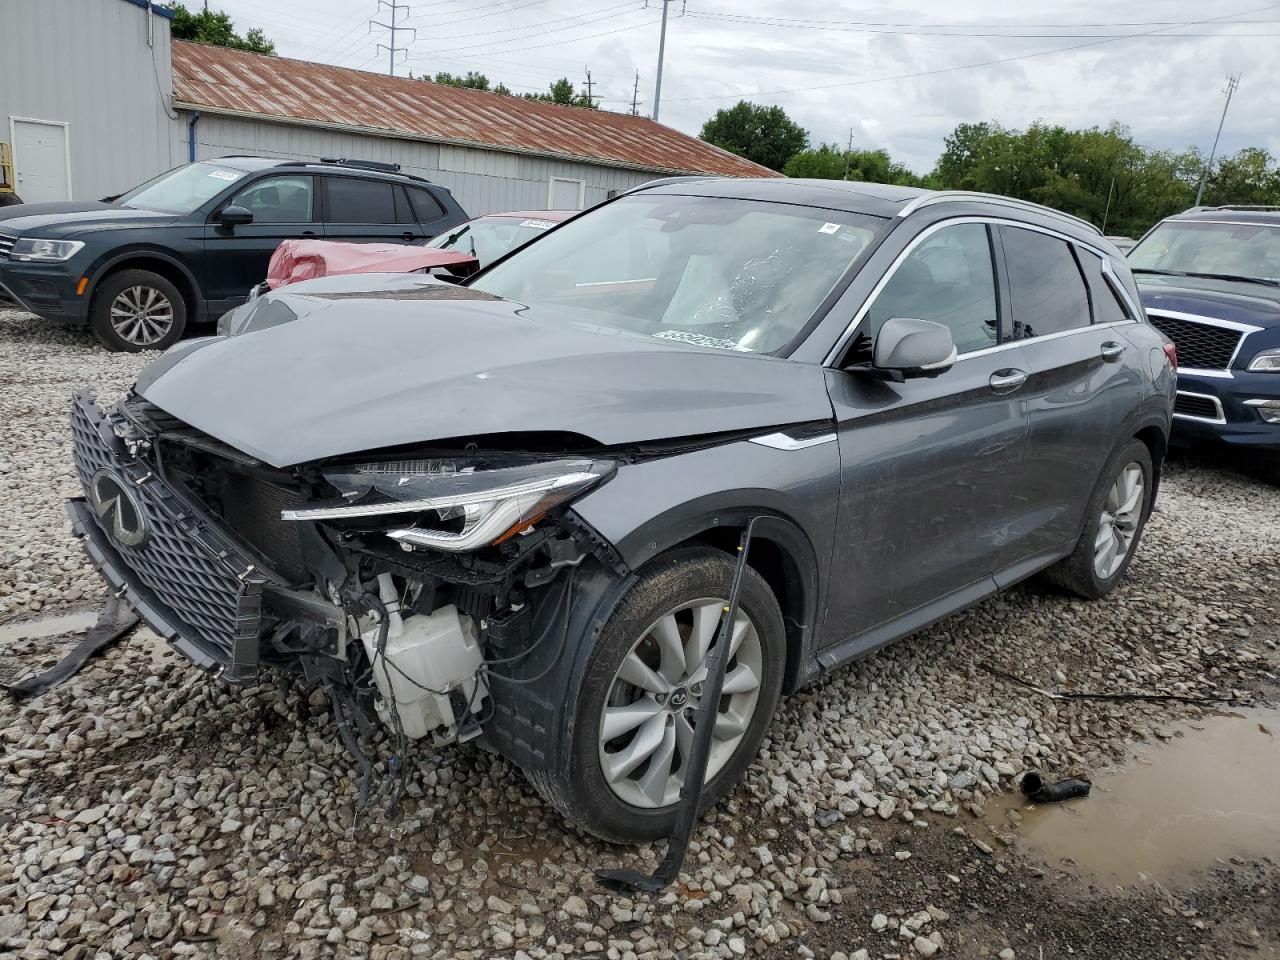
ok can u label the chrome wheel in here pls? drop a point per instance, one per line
(141, 315)
(1118, 525)
(647, 724)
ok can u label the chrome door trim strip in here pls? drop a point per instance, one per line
(780, 441)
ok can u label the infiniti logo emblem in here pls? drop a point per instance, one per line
(117, 509)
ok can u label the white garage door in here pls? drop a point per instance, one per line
(564, 194)
(41, 160)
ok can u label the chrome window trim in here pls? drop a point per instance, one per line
(860, 314)
(1220, 419)
(1232, 223)
(960, 196)
(780, 441)
(1245, 329)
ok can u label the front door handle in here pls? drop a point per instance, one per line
(407, 235)
(1112, 351)
(308, 233)
(1007, 380)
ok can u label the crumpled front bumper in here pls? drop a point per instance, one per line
(188, 581)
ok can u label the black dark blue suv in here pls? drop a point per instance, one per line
(1210, 281)
(188, 245)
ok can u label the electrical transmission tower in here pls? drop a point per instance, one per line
(393, 29)
(1232, 83)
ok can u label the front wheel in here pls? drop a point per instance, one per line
(137, 310)
(634, 728)
(1116, 515)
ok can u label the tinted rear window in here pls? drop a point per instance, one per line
(1107, 307)
(361, 201)
(425, 205)
(1046, 289)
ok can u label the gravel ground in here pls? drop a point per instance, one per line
(146, 810)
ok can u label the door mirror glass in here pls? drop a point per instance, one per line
(914, 348)
(234, 216)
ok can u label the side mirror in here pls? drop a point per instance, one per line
(234, 216)
(907, 347)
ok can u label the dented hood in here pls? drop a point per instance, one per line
(310, 375)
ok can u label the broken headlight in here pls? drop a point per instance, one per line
(463, 506)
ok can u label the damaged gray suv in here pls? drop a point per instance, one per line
(508, 510)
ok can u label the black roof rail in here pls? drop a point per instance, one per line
(375, 166)
(1242, 207)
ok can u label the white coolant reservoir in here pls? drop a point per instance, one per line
(438, 651)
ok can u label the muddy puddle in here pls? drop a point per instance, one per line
(1176, 809)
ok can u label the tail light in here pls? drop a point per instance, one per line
(1171, 352)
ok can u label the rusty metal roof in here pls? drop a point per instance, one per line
(233, 81)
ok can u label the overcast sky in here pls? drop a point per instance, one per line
(1159, 66)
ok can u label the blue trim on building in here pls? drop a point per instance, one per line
(155, 8)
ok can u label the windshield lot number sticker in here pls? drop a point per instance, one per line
(223, 175)
(829, 228)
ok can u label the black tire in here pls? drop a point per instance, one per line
(100, 312)
(580, 792)
(1077, 573)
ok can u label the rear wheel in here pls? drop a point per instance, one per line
(137, 310)
(1117, 513)
(634, 725)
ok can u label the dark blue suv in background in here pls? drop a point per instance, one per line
(188, 245)
(1210, 281)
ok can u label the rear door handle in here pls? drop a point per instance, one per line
(407, 235)
(308, 233)
(1112, 351)
(1007, 380)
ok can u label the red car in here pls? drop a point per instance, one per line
(460, 251)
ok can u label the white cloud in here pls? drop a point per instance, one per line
(1168, 89)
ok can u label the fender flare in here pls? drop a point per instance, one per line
(196, 309)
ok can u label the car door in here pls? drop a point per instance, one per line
(930, 467)
(1084, 377)
(364, 210)
(236, 258)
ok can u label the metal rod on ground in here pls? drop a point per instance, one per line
(623, 878)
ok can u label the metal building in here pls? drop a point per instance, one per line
(85, 96)
(125, 103)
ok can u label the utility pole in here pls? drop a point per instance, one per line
(848, 151)
(590, 98)
(392, 50)
(662, 49)
(1232, 83)
(635, 97)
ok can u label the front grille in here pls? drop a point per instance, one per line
(6, 244)
(1197, 405)
(1202, 346)
(182, 561)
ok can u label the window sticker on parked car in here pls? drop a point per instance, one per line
(537, 224)
(829, 228)
(224, 175)
(698, 340)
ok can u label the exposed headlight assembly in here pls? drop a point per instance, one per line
(472, 506)
(1268, 361)
(44, 251)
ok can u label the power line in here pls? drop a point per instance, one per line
(556, 43)
(744, 20)
(986, 26)
(966, 66)
(392, 49)
(532, 26)
(482, 16)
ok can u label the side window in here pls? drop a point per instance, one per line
(1107, 305)
(352, 200)
(948, 279)
(277, 200)
(1046, 290)
(425, 206)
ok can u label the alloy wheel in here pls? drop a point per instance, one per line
(1118, 525)
(647, 723)
(141, 315)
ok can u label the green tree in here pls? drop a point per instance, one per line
(1250, 176)
(829, 162)
(472, 80)
(215, 27)
(562, 92)
(765, 135)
